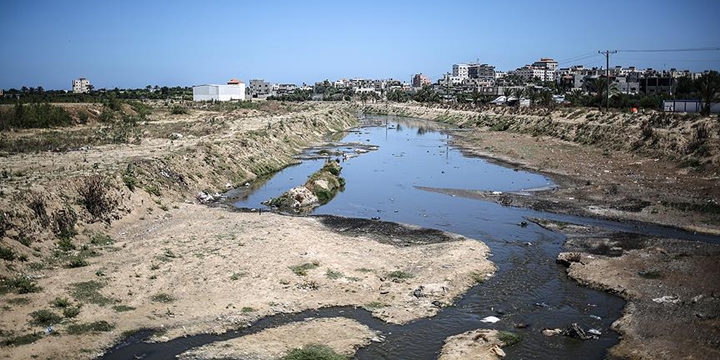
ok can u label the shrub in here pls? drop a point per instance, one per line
(7, 253)
(95, 197)
(61, 302)
(37, 204)
(64, 223)
(77, 262)
(20, 285)
(509, 338)
(400, 275)
(313, 352)
(101, 239)
(71, 312)
(301, 270)
(122, 308)
(334, 275)
(178, 110)
(44, 317)
(163, 298)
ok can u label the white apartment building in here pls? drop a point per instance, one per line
(81, 86)
(460, 71)
(530, 72)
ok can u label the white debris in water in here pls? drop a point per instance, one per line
(490, 319)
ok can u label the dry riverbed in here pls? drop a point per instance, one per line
(154, 256)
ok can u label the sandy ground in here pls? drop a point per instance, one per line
(342, 335)
(475, 344)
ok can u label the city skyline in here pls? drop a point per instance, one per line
(132, 44)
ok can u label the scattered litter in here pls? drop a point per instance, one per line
(541, 304)
(49, 329)
(497, 193)
(575, 331)
(491, 319)
(595, 317)
(594, 332)
(523, 224)
(551, 332)
(669, 299)
(498, 351)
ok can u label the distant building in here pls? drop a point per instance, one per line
(234, 90)
(81, 86)
(420, 80)
(259, 87)
(460, 71)
(482, 72)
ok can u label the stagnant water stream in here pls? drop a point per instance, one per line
(528, 288)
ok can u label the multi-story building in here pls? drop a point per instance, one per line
(546, 63)
(460, 71)
(259, 87)
(420, 80)
(481, 71)
(81, 85)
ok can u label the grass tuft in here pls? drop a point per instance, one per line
(313, 352)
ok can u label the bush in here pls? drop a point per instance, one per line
(313, 352)
(44, 317)
(7, 253)
(301, 270)
(64, 223)
(95, 197)
(37, 115)
(509, 338)
(20, 285)
(71, 312)
(178, 110)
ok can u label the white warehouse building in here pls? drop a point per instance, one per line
(234, 90)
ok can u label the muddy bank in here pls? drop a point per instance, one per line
(670, 286)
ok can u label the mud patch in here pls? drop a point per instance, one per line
(386, 232)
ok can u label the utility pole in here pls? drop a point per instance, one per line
(607, 76)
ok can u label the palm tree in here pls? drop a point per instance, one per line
(475, 96)
(518, 93)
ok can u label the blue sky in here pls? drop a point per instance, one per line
(132, 43)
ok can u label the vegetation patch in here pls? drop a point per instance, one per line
(96, 198)
(162, 298)
(313, 352)
(89, 292)
(101, 239)
(19, 285)
(123, 308)
(334, 275)
(400, 275)
(21, 339)
(301, 270)
(509, 338)
(44, 317)
(97, 326)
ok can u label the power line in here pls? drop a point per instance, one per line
(607, 75)
(710, 48)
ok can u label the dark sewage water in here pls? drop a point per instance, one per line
(529, 287)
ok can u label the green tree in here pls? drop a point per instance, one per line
(708, 87)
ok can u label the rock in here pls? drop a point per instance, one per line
(498, 351)
(551, 332)
(418, 293)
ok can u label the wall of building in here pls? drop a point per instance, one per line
(212, 92)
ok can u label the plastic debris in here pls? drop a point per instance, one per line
(667, 299)
(490, 319)
(595, 317)
(594, 332)
(498, 351)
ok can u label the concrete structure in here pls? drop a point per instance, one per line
(420, 80)
(234, 90)
(482, 72)
(81, 86)
(460, 71)
(259, 87)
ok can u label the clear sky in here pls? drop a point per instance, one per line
(133, 43)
